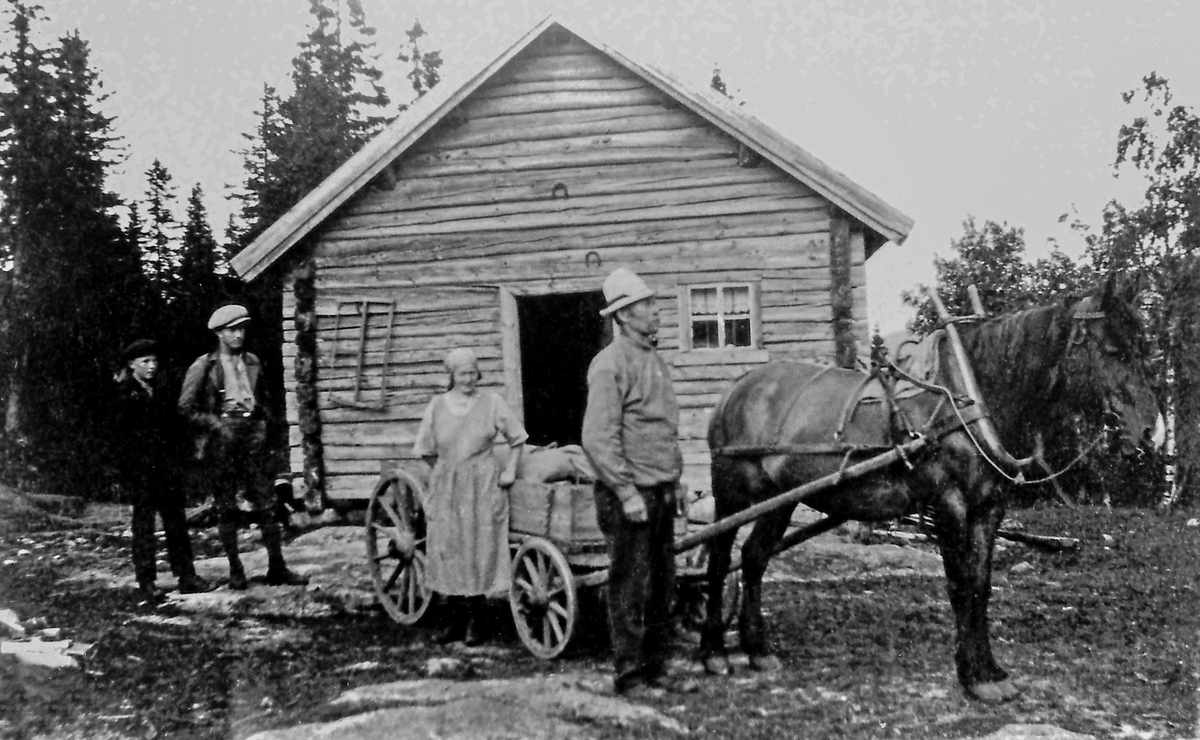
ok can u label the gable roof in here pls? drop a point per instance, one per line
(390, 143)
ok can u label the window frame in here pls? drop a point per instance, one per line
(685, 300)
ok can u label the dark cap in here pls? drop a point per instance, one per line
(138, 348)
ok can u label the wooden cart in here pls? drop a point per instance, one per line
(557, 550)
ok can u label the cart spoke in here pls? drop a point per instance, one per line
(388, 502)
(391, 581)
(559, 609)
(555, 628)
(539, 562)
(525, 586)
(409, 591)
(555, 587)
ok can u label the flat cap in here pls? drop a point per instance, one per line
(227, 317)
(138, 348)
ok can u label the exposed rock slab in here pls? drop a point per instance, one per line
(1034, 732)
(538, 707)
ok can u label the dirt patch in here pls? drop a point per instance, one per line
(1101, 641)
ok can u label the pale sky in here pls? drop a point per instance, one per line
(1004, 109)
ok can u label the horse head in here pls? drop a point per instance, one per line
(1105, 364)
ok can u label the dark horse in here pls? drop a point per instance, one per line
(786, 424)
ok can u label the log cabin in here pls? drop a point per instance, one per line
(488, 214)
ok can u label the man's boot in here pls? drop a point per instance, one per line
(237, 575)
(194, 584)
(278, 574)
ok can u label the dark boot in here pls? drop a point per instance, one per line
(194, 584)
(151, 592)
(227, 530)
(457, 628)
(475, 633)
(237, 575)
(278, 574)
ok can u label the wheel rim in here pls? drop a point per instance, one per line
(542, 598)
(396, 549)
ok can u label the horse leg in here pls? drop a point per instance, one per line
(712, 635)
(756, 552)
(966, 536)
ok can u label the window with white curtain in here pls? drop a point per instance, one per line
(721, 316)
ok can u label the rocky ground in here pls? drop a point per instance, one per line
(861, 625)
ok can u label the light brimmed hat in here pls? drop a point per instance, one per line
(227, 317)
(622, 288)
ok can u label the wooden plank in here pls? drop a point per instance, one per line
(350, 487)
(546, 125)
(724, 372)
(375, 346)
(566, 153)
(809, 228)
(781, 260)
(502, 105)
(417, 193)
(751, 197)
(710, 358)
(510, 351)
(510, 88)
(569, 264)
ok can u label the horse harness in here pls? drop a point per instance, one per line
(965, 412)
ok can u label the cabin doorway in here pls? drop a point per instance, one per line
(560, 334)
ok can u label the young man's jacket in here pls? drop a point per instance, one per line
(148, 429)
(203, 394)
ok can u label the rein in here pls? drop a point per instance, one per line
(1075, 338)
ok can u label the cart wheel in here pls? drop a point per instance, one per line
(395, 531)
(542, 598)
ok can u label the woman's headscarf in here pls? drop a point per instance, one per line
(459, 358)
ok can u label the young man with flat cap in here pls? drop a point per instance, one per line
(149, 433)
(631, 436)
(223, 400)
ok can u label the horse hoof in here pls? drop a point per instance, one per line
(765, 663)
(993, 692)
(717, 665)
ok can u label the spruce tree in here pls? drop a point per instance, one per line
(68, 307)
(201, 266)
(162, 253)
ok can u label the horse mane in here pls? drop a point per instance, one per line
(1016, 356)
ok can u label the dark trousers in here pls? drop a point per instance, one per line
(641, 580)
(238, 457)
(156, 496)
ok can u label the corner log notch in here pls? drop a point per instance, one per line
(843, 230)
(309, 413)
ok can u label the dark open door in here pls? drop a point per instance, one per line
(560, 334)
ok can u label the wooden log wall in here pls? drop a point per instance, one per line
(562, 158)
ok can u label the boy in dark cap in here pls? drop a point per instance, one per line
(148, 432)
(223, 400)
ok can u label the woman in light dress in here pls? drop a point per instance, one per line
(466, 505)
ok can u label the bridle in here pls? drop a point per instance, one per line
(1078, 335)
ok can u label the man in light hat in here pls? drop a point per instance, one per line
(631, 436)
(222, 399)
